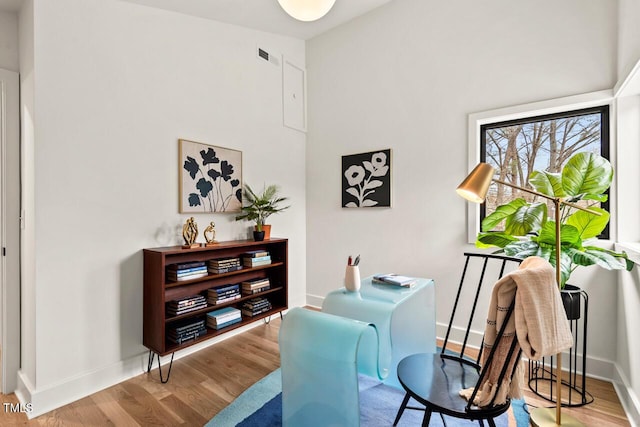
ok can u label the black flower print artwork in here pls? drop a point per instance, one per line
(210, 178)
(366, 179)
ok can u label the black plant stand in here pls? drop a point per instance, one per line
(542, 375)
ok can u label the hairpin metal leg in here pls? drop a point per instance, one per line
(152, 356)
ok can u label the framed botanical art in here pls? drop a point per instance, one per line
(210, 178)
(366, 179)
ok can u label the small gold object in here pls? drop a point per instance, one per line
(210, 230)
(190, 233)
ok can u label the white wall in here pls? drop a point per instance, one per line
(628, 36)
(405, 77)
(9, 41)
(27, 235)
(116, 85)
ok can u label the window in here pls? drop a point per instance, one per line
(516, 148)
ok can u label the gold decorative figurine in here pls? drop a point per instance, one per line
(210, 231)
(190, 233)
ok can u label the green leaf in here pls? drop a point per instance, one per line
(596, 255)
(569, 235)
(502, 212)
(547, 183)
(622, 256)
(522, 249)
(495, 238)
(586, 173)
(526, 219)
(587, 224)
(597, 197)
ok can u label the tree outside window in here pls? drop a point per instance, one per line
(518, 147)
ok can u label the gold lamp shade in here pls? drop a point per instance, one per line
(476, 185)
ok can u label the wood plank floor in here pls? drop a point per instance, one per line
(203, 383)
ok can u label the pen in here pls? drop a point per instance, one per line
(357, 261)
(349, 260)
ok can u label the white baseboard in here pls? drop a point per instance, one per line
(628, 398)
(596, 368)
(314, 300)
(48, 398)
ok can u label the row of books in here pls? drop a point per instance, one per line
(187, 330)
(186, 305)
(217, 296)
(223, 294)
(190, 329)
(223, 317)
(196, 269)
(256, 306)
(186, 271)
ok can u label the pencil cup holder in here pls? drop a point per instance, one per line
(352, 278)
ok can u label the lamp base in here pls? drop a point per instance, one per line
(543, 417)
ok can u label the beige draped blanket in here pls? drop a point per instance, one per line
(539, 324)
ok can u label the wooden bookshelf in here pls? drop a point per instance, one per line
(158, 290)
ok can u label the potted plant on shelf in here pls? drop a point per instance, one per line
(529, 231)
(258, 207)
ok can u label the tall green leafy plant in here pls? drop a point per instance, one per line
(529, 231)
(259, 206)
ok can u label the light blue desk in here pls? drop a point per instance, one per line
(404, 317)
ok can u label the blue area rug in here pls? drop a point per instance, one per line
(261, 406)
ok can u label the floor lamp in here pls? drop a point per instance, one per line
(474, 188)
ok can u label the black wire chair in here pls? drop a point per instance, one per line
(435, 379)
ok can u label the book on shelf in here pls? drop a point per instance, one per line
(256, 254)
(222, 313)
(190, 329)
(213, 296)
(225, 324)
(394, 279)
(186, 305)
(224, 261)
(178, 312)
(251, 313)
(224, 289)
(185, 265)
(218, 295)
(218, 322)
(256, 303)
(256, 306)
(219, 301)
(224, 265)
(187, 301)
(255, 283)
(187, 325)
(188, 276)
(255, 290)
(216, 270)
(187, 336)
(183, 271)
(251, 263)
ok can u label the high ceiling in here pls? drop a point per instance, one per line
(265, 15)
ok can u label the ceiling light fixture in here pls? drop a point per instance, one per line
(307, 10)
